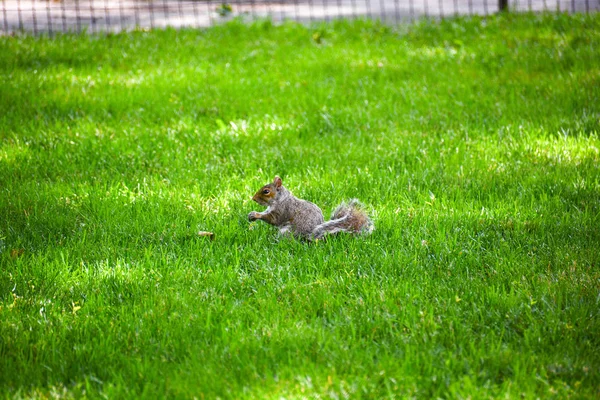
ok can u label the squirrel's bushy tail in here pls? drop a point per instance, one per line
(347, 217)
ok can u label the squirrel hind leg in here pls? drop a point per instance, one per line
(286, 231)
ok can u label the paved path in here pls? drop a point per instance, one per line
(49, 16)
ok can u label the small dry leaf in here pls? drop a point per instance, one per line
(15, 253)
(208, 234)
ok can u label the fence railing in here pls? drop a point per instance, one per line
(51, 16)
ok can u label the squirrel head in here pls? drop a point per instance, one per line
(268, 193)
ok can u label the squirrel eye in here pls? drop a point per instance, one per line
(266, 191)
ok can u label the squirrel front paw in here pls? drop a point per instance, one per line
(253, 216)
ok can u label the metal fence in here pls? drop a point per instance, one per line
(51, 16)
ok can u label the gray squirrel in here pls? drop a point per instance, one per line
(304, 219)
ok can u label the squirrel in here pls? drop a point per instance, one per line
(304, 219)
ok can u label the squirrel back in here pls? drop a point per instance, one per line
(303, 218)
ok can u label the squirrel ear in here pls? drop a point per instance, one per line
(277, 182)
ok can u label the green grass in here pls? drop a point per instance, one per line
(475, 143)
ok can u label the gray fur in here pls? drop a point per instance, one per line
(301, 215)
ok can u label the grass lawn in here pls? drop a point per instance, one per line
(474, 142)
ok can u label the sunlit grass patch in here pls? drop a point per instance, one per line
(12, 152)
